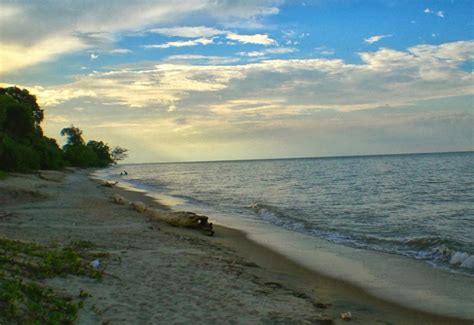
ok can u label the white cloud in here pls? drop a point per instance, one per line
(261, 39)
(120, 51)
(194, 42)
(8, 12)
(274, 50)
(375, 38)
(70, 28)
(188, 31)
(201, 109)
(15, 56)
(386, 77)
(323, 50)
(252, 54)
(209, 32)
(438, 13)
(201, 59)
(281, 50)
(94, 56)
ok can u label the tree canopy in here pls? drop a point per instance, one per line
(24, 147)
(74, 136)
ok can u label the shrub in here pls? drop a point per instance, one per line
(80, 156)
(16, 156)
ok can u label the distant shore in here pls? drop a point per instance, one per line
(159, 273)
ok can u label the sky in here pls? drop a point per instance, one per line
(221, 80)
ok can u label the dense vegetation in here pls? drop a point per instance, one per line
(23, 146)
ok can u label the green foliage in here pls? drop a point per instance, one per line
(3, 175)
(31, 303)
(92, 154)
(74, 136)
(17, 156)
(23, 146)
(50, 155)
(23, 300)
(18, 119)
(80, 156)
(102, 152)
(3, 112)
(24, 97)
(29, 154)
(118, 153)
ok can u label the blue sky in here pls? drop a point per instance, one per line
(205, 80)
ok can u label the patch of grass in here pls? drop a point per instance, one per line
(23, 299)
(30, 303)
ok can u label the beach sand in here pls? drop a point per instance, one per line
(159, 274)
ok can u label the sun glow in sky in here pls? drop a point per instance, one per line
(221, 79)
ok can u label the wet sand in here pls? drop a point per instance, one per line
(163, 274)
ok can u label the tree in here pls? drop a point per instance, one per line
(17, 118)
(23, 96)
(92, 154)
(22, 144)
(80, 156)
(74, 136)
(102, 152)
(118, 154)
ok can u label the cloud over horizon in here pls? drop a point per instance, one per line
(420, 72)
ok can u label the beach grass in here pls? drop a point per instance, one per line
(24, 298)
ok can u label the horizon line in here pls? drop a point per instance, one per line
(306, 157)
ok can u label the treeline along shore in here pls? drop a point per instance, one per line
(24, 147)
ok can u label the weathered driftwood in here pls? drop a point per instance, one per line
(178, 219)
(109, 184)
(139, 206)
(182, 219)
(51, 175)
(119, 199)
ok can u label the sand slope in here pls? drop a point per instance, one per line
(155, 276)
(158, 274)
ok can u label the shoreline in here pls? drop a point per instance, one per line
(158, 273)
(337, 293)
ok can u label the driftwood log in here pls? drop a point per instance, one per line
(119, 199)
(178, 219)
(109, 184)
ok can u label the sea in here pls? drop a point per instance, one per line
(419, 206)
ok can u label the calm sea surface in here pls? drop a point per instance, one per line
(420, 205)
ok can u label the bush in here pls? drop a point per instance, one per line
(22, 144)
(51, 156)
(80, 156)
(17, 156)
(102, 152)
(16, 118)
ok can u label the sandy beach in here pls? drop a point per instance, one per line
(159, 274)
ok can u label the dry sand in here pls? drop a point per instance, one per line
(158, 274)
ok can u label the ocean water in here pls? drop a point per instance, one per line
(420, 205)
